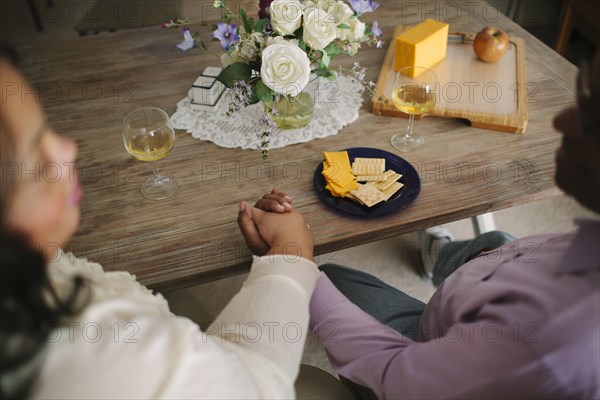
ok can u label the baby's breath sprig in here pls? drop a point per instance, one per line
(241, 94)
(358, 73)
(266, 126)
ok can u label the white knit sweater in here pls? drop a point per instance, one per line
(127, 344)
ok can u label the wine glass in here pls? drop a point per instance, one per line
(149, 136)
(413, 94)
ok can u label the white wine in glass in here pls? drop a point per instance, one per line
(149, 136)
(413, 96)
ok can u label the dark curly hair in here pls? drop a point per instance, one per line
(29, 307)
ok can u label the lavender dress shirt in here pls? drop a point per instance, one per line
(523, 321)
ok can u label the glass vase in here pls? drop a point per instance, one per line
(291, 112)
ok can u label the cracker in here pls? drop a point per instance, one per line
(367, 169)
(383, 185)
(389, 173)
(376, 161)
(368, 166)
(376, 178)
(354, 198)
(371, 178)
(390, 191)
(368, 194)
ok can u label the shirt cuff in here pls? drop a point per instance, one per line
(301, 270)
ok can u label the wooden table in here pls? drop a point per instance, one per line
(88, 85)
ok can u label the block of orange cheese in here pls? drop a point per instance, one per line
(423, 45)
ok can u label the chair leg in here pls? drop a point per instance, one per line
(35, 15)
(483, 223)
(565, 29)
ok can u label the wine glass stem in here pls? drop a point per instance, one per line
(156, 176)
(409, 128)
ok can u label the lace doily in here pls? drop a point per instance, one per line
(336, 105)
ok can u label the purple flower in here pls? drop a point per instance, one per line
(267, 29)
(227, 34)
(363, 6)
(375, 30)
(188, 41)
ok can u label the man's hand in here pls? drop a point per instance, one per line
(271, 227)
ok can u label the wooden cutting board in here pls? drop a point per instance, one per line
(488, 95)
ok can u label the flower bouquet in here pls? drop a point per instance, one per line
(271, 60)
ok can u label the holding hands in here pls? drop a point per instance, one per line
(272, 226)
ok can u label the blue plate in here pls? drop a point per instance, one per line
(400, 200)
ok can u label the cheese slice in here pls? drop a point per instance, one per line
(332, 191)
(338, 158)
(341, 191)
(338, 173)
(340, 177)
(424, 45)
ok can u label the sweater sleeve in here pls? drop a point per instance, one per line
(270, 315)
(124, 346)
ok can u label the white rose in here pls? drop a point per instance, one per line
(319, 28)
(281, 39)
(286, 16)
(309, 5)
(285, 68)
(339, 11)
(355, 33)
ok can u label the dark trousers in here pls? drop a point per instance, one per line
(395, 308)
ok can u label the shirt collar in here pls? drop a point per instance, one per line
(583, 253)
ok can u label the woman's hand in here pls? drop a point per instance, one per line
(275, 201)
(274, 227)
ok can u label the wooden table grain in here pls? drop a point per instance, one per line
(88, 85)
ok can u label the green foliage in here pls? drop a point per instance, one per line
(301, 43)
(245, 21)
(324, 72)
(260, 24)
(263, 92)
(253, 98)
(235, 72)
(332, 50)
(325, 60)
